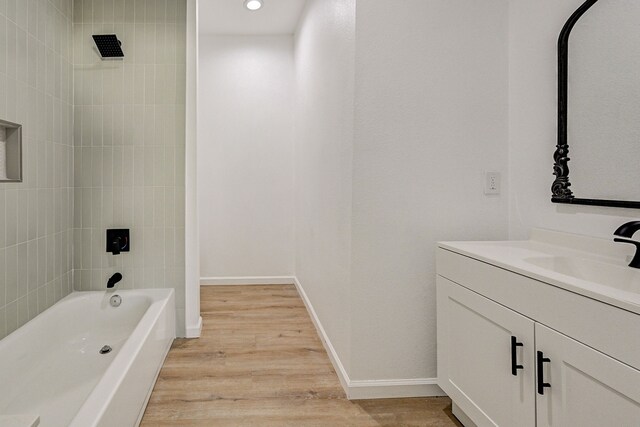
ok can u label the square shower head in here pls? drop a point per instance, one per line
(108, 45)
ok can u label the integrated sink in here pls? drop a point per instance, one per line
(606, 274)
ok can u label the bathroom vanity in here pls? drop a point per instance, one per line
(544, 332)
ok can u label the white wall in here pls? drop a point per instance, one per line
(533, 32)
(245, 155)
(401, 108)
(193, 321)
(324, 53)
(431, 116)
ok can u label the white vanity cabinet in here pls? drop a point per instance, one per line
(516, 351)
(485, 357)
(588, 388)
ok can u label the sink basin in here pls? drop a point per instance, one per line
(606, 274)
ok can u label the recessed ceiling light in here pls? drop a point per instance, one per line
(253, 4)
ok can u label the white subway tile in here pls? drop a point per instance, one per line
(128, 166)
(23, 206)
(23, 311)
(96, 207)
(96, 134)
(158, 207)
(32, 299)
(3, 322)
(149, 125)
(11, 215)
(118, 206)
(117, 166)
(108, 208)
(127, 206)
(23, 270)
(33, 210)
(3, 280)
(11, 316)
(32, 269)
(110, 162)
(3, 233)
(148, 166)
(148, 207)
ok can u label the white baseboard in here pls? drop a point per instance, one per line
(461, 416)
(196, 330)
(369, 389)
(387, 389)
(333, 356)
(251, 280)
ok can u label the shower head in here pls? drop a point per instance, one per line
(108, 45)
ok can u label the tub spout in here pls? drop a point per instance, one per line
(113, 280)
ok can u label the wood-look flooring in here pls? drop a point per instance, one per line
(260, 362)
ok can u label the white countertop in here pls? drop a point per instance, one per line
(622, 291)
(19, 420)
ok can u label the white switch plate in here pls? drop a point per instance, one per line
(492, 183)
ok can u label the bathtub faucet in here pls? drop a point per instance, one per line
(113, 280)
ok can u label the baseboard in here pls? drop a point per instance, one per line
(387, 389)
(461, 416)
(251, 280)
(369, 389)
(326, 342)
(196, 330)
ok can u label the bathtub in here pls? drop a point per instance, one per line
(52, 367)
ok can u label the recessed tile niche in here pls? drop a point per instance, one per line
(10, 152)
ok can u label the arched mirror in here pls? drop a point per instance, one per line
(599, 106)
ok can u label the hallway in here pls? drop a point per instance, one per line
(260, 362)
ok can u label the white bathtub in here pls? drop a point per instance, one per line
(51, 367)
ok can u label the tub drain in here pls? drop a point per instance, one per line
(106, 349)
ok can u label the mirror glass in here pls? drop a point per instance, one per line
(603, 120)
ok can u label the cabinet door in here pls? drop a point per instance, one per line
(586, 387)
(475, 364)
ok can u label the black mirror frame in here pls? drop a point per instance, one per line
(561, 193)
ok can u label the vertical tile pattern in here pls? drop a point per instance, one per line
(129, 143)
(36, 90)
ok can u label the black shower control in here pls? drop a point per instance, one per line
(118, 241)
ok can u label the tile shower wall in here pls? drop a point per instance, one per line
(36, 230)
(129, 144)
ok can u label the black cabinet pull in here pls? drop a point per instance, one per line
(514, 358)
(541, 360)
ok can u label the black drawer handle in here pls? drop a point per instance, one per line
(514, 358)
(541, 360)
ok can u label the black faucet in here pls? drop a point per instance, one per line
(113, 280)
(625, 232)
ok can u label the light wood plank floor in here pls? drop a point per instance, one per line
(260, 362)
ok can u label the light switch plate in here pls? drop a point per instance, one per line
(492, 183)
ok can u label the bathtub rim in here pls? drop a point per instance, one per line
(18, 332)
